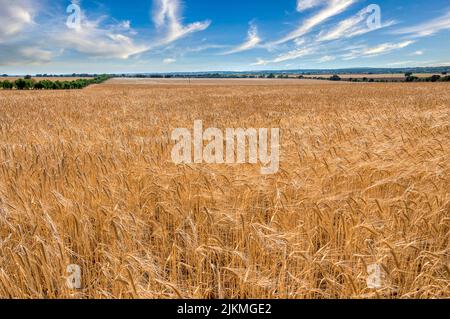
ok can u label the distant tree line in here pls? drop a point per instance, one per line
(73, 75)
(27, 83)
(408, 78)
(434, 78)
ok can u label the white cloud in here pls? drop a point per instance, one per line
(19, 41)
(419, 63)
(260, 62)
(353, 26)
(169, 61)
(113, 41)
(377, 50)
(44, 56)
(326, 58)
(427, 28)
(303, 5)
(291, 55)
(125, 25)
(252, 41)
(205, 47)
(299, 42)
(18, 45)
(15, 17)
(401, 63)
(20, 54)
(334, 7)
(419, 52)
(166, 15)
(436, 63)
(387, 47)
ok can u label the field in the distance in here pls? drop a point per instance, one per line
(86, 178)
(208, 82)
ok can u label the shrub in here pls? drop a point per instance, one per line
(435, 78)
(335, 78)
(56, 85)
(7, 85)
(20, 84)
(24, 84)
(411, 78)
(27, 83)
(39, 86)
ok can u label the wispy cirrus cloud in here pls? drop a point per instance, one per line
(351, 27)
(166, 15)
(291, 55)
(204, 47)
(112, 41)
(21, 43)
(376, 50)
(333, 8)
(118, 40)
(252, 41)
(94, 37)
(412, 63)
(303, 5)
(427, 28)
(326, 58)
(169, 61)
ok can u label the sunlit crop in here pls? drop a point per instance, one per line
(86, 178)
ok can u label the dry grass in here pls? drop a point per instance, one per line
(86, 178)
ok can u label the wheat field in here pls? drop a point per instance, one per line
(86, 178)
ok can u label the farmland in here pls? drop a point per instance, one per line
(86, 178)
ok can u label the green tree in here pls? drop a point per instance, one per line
(435, 78)
(7, 85)
(335, 78)
(20, 84)
(39, 85)
(411, 78)
(57, 85)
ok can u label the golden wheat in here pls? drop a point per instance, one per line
(86, 178)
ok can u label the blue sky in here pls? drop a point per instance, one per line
(42, 36)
